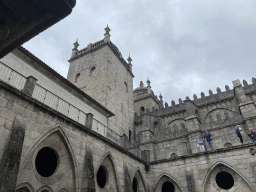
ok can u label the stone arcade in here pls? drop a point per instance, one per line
(94, 132)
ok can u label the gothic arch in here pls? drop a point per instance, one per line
(167, 177)
(25, 186)
(175, 120)
(232, 168)
(138, 171)
(45, 189)
(217, 108)
(57, 129)
(109, 155)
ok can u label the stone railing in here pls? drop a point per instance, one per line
(28, 86)
(58, 104)
(12, 77)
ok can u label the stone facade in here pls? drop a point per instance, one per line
(78, 145)
(100, 71)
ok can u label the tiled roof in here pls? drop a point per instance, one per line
(56, 74)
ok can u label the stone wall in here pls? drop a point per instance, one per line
(110, 83)
(75, 145)
(27, 67)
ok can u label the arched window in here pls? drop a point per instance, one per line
(92, 70)
(126, 87)
(130, 135)
(77, 76)
(142, 110)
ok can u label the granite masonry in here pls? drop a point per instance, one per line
(94, 132)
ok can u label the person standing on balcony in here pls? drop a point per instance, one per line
(208, 138)
(238, 129)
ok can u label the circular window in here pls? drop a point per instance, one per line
(46, 162)
(102, 176)
(135, 185)
(168, 187)
(224, 180)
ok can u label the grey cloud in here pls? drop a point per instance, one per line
(184, 47)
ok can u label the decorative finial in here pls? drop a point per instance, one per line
(218, 90)
(210, 92)
(173, 103)
(254, 80)
(166, 105)
(194, 96)
(129, 59)
(245, 83)
(202, 95)
(180, 101)
(148, 82)
(107, 29)
(187, 98)
(76, 44)
(161, 97)
(227, 88)
(141, 84)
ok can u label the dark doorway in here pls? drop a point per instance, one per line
(102, 176)
(135, 185)
(168, 187)
(46, 162)
(224, 180)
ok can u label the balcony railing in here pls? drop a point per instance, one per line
(50, 99)
(12, 77)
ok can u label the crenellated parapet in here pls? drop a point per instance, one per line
(91, 47)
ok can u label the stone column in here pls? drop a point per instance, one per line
(127, 180)
(29, 85)
(192, 124)
(10, 162)
(88, 183)
(89, 120)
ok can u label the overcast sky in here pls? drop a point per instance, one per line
(183, 46)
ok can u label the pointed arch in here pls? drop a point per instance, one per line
(175, 120)
(45, 189)
(161, 176)
(25, 186)
(108, 154)
(141, 175)
(62, 133)
(217, 108)
(221, 162)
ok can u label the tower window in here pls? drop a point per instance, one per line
(77, 76)
(142, 110)
(126, 87)
(92, 70)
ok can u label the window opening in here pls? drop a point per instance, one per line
(102, 176)
(224, 180)
(126, 87)
(142, 110)
(168, 187)
(77, 76)
(46, 162)
(130, 135)
(135, 184)
(92, 70)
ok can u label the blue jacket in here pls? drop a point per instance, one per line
(238, 132)
(207, 136)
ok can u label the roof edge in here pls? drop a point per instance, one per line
(63, 79)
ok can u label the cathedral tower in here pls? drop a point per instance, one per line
(101, 72)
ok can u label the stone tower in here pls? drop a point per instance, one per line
(101, 71)
(145, 99)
